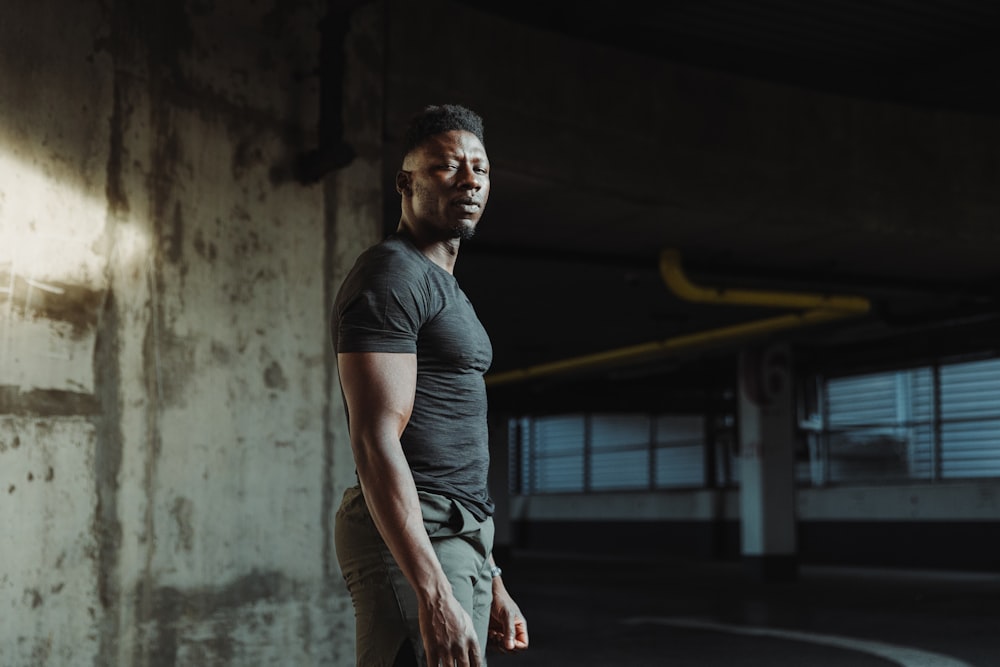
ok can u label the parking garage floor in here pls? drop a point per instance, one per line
(681, 614)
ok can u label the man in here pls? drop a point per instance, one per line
(414, 538)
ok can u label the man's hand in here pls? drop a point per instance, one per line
(448, 633)
(508, 630)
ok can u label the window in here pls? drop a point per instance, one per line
(930, 423)
(607, 452)
(936, 422)
(970, 419)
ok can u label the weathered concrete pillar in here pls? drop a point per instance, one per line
(353, 204)
(767, 467)
(172, 445)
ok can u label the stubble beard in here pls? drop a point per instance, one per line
(464, 230)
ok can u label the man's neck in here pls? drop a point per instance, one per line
(443, 252)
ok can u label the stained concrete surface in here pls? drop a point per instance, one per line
(681, 614)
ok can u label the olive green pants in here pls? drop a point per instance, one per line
(385, 605)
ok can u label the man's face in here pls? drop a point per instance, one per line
(445, 183)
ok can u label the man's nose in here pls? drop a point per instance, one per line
(468, 178)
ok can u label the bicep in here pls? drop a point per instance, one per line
(379, 388)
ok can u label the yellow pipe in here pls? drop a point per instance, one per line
(816, 308)
(673, 276)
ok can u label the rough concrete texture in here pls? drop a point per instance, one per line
(47, 583)
(168, 423)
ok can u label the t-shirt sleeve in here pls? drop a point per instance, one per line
(381, 309)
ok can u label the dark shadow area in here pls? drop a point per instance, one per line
(690, 614)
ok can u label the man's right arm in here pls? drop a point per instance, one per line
(379, 389)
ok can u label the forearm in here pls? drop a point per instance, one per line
(392, 500)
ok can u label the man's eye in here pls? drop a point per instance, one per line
(481, 170)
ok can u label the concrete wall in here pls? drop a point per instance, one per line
(172, 442)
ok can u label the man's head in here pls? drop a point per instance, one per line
(445, 177)
(435, 119)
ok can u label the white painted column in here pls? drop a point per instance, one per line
(767, 466)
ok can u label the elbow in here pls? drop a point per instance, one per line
(376, 456)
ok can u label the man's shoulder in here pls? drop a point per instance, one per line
(389, 266)
(393, 254)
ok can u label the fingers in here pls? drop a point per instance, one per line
(517, 637)
(508, 630)
(469, 659)
(458, 662)
(498, 640)
(509, 639)
(462, 652)
(449, 636)
(521, 635)
(511, 636)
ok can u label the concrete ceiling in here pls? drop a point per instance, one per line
(940, 54)
(572, 271)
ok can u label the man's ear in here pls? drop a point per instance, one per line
(403, 183)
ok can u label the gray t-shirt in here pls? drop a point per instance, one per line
(396, 300)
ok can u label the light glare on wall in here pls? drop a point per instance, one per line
(58, 250)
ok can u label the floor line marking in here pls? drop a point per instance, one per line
(901, 655)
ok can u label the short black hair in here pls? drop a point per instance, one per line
(438, 118)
